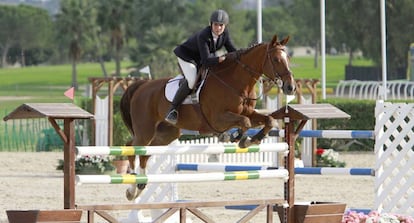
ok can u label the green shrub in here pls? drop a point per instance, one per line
(362, 118)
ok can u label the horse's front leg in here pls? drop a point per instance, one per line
(266, 121)
(244, 123)
(135, 189)
(235, 120)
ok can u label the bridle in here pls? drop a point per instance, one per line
(278, 79)
(256, 74)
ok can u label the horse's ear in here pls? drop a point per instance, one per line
(274, 40)
(285, 41)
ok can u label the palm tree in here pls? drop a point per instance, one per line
(112, 17)
(156, 49)
(74, 24)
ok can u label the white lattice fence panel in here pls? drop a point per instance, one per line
(264, 158)
(395, 158)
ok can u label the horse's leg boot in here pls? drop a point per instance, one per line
(180, 95)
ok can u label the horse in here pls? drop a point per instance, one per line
(227, 100)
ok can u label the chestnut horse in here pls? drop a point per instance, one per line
(227, 100)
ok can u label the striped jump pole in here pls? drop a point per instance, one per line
(181, 178)
(329, 134)
(298, 170)
(335, 171)
(178, 149)
(218, 167)
(338, 134)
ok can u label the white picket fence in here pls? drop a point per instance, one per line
(263, 158)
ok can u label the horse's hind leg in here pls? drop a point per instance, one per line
(142, 139)
(164, 135)
(135, 189)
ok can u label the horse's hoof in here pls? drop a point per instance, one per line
(236, 135)
(141, 186)
(245, 142)
(224, 137)
(131, 196)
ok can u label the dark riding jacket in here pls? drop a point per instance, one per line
(200, 48)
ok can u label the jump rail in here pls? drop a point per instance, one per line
(178, 149)
(331, 134)
(298, 170)
(181, 178)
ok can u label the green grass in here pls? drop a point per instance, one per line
(303, 68)
(38, 79)
(47, 83)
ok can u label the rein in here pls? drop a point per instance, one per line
(253, 73)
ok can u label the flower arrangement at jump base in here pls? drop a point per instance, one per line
(328, 158)
(375, 217)
(91, 165)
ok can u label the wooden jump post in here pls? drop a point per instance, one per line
(295, 117)
(67, 112)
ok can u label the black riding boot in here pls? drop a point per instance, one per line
(180, 95)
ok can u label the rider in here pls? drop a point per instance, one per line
(200, 49)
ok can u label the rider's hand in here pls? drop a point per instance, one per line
(231, 56)
(222, 58)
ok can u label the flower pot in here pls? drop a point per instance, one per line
(326, 212)
(121, 166)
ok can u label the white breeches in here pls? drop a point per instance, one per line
(189, 71)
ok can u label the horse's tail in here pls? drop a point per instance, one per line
(125, 104)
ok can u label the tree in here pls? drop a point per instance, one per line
(159, 26)
(74, 24)
(36, 29)
(158, 48)
(400, 32)
(306, 16)
(24, 27)
(112, 18)
(356, 25)
(275, 20)
(352, 24)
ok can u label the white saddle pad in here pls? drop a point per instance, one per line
(172, 86)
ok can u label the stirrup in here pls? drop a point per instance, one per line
(172, 117)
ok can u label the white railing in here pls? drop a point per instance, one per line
(396, 90)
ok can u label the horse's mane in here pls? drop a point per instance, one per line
(242, 51)
(246, 50)
(235, 55)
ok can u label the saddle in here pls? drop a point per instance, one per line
(193, 98)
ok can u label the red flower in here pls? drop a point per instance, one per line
(319, 151)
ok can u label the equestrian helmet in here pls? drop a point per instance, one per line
(219, 16)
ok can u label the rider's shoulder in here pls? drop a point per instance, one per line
(206, 31)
